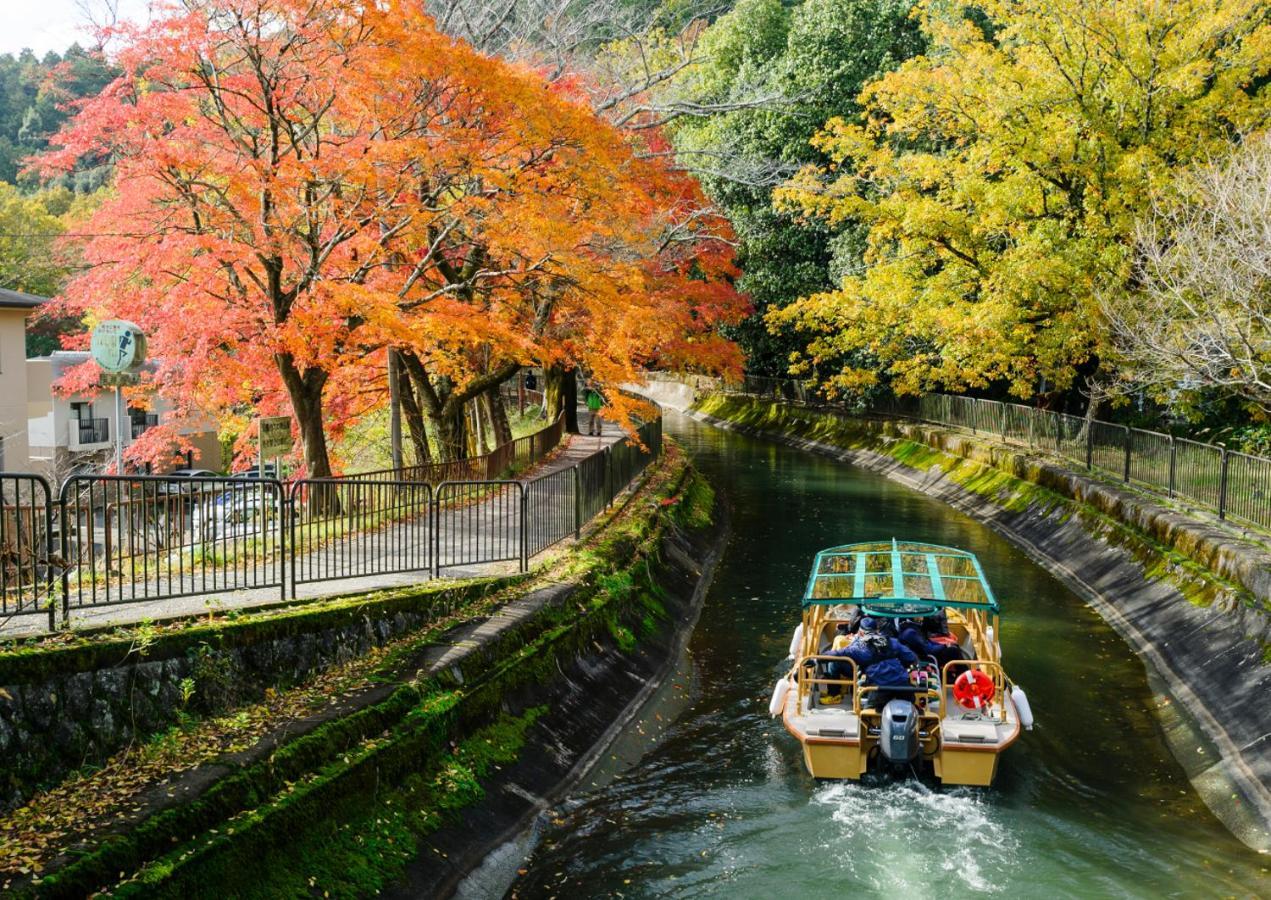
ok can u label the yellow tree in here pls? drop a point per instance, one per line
(1001, 176)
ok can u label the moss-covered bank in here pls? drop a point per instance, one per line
(74, 700)
(344, 808)
(1197, 616)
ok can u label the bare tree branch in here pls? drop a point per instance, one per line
(1203, 315)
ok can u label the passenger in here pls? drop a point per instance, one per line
(842, 638)
(930, 637)
(882, 659)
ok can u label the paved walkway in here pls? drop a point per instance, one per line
(480, 537)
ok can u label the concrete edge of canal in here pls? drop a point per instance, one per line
(1198, 620)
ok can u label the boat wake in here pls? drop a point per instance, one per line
(904, 835)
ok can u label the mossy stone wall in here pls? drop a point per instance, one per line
(69, 703)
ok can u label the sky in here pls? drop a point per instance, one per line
(45, 25)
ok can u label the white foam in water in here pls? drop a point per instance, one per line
(906, 835)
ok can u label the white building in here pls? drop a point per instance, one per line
(15, 307)
(76, 433)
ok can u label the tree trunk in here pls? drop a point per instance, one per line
(414, 417)
(561, 391)
(501, 428)
(445, 407)
(451, 431)
(305, 392)
(476, 434)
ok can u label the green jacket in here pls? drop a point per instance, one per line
(594, 400)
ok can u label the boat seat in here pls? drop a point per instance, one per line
(969, 731)
(829, 721)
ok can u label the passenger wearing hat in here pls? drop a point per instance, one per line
(882, 659)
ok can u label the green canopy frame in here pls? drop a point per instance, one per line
(900, 578)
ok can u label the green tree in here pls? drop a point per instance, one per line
(817, 54)
(1002, 174)
(29, 258)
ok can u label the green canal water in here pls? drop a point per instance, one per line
(1089, 804)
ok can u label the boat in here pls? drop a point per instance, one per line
(959, 711)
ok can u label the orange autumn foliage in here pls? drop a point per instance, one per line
(300, 184)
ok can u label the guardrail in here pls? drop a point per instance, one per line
(1234, 485)
(111, 539)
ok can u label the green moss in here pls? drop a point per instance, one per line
(362, 855)
(696, 507)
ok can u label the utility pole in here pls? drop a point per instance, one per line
(394, 409)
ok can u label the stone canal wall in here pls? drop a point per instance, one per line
(1193, 601)
(79, 700)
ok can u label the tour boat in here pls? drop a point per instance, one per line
(959, 710)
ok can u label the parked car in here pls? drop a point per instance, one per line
(171, 487)
(231, 511)
(271, 472)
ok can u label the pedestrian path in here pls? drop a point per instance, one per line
(484, 529)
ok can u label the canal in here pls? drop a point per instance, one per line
(1091, 803)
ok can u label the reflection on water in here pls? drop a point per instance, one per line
(1090, 804)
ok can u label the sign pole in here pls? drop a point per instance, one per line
(119, 429)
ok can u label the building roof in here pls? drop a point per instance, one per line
(19, 300)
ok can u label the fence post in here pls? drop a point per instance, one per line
(66, 557)
(434, 503)
(1005, 410)
(1032, 423)
(1172, 451)
(609, 476)
(1129, 441)
(284, 522)
(48, 550)
(1089, 444)
(972, 417)
(1222, 487)
(578, 502)
(525, 529)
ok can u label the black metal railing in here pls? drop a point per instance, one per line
(346, 528)
(110, 539)
(516, 455)
(28, 544)
(148, 537)
(91, 431)
(1235, 485)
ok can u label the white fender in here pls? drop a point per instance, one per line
(796, 642)
(778, 701)
(1021, 706)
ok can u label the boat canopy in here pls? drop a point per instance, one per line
(899, 579)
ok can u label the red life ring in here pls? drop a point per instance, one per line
(973, 689)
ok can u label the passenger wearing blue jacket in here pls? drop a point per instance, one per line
(882, 659)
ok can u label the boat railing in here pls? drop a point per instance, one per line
(806, 681)
(991, 668)
(983, 634)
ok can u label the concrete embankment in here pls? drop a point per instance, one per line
(1190, 599)
(435, 725)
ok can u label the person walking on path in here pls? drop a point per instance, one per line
(594, 404)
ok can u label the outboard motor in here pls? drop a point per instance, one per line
(898, 735)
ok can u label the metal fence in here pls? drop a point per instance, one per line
(1235, 485)
(517, 454)
(109, 539)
